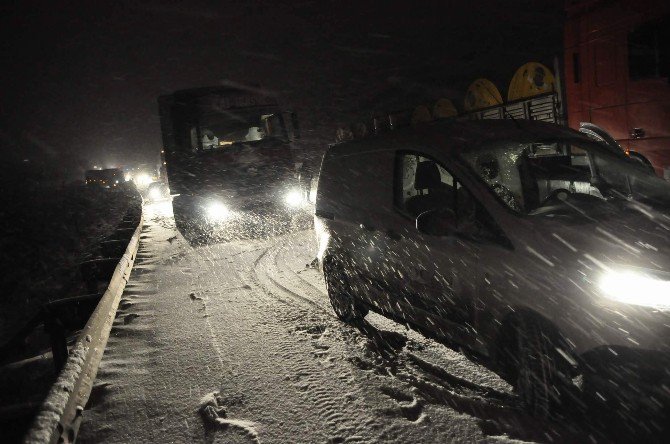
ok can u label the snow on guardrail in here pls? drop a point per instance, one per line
(60, 415)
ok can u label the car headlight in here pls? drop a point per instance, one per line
(216, 211)
(293, 198)
(636, 288)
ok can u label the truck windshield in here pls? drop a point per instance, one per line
(227, 127)
(529, 177)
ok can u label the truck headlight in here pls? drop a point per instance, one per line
(636, 288)
(293, 198)
(216, 211)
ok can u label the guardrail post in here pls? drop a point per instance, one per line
(58, 341)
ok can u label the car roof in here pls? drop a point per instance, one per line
(455, 136)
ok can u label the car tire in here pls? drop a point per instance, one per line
(540, 376)
(344, 304)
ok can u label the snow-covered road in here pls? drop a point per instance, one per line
(236, 342)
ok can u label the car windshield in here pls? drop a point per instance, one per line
(535, 177)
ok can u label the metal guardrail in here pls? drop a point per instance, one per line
(60, 415)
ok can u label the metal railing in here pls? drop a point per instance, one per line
(60, 415)
(545, 107)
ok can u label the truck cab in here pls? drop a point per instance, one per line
(617, 74)
(228, 158)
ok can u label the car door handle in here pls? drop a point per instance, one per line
(367, 227)
(393, 234)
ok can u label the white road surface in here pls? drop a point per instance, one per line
(236, 342)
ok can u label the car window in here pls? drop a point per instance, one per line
(422, 184)
(524, 175)
(549, 177)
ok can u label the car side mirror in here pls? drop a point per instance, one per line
(436, 222)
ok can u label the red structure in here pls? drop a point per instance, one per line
(617, 73)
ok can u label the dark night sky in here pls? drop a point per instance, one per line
(80, 79)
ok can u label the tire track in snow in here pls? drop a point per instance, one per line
(329, 403)
(267, 271)
(270, 275)
(212, 409)
(429, 383)
(305, 371)
(320, 292)
(311, 373)
(210, 260)
(265, 268)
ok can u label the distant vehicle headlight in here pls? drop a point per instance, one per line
(143, 179)
(216, 211)
(294, 198)
(636, 288)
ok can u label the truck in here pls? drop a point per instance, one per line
(229, 161)
(105, 178)
(617, 73)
